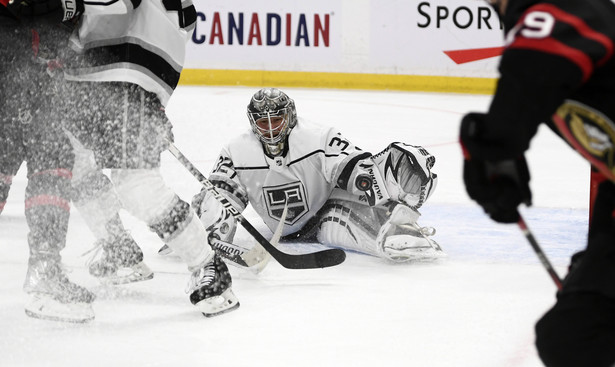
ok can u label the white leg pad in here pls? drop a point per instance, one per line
(350, 226)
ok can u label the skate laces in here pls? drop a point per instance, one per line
(201, 277)
(96, 250)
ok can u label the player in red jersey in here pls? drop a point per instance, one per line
(558, 67)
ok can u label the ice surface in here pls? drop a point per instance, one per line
(476, 308)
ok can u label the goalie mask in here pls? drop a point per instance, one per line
(272, 115)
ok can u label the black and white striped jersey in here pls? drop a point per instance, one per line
(136, 41)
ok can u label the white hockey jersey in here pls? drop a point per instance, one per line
(303, 177)
(135, 41)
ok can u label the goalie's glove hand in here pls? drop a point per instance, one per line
(497, 186)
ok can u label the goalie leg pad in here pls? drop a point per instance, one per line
(350, 226)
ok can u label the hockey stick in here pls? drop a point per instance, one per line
(254, 259)
(541, 255)
(320, 259)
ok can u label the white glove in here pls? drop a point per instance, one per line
(407, 173)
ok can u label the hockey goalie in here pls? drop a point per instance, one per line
(321, 186)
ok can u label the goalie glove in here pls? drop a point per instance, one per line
(406, 171)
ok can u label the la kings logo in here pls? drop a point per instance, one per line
(291, 194)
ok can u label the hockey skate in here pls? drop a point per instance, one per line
(121, 262)
(54, 296)
(404, 240)
(210, 289)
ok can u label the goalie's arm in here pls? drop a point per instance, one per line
(212, 213)
(401, 172)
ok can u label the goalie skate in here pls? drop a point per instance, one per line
(413, 245)
(402, 239)
(210, 289)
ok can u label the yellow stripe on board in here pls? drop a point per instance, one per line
(261, 78)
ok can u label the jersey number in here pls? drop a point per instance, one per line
(538, 24)
(339, 143)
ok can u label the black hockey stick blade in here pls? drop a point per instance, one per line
(320, 259)
(541, 255)
(229, 251)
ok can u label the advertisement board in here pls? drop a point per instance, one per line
(267, 35)
(435, 37)
(349, 42)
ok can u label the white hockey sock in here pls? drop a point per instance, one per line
(191, 244)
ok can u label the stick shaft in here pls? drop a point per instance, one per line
(538, 250)
(320, 259)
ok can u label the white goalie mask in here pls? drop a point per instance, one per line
(272, 115)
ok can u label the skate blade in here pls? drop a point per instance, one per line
(415, 254)
(425, 258)
(46, 308)
(137, 273)
(165, 250)
(218, 305)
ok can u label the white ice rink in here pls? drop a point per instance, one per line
(476, 308)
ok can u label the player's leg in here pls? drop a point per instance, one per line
(14, 109)
(580, 329)
(144, 193)
(147, 197)
(47, 208)
(118, 259)
(377, 231)
(11, 157)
